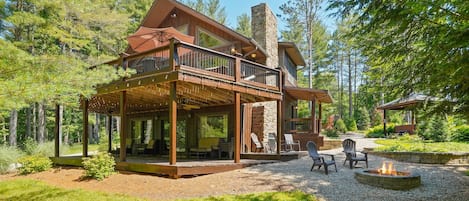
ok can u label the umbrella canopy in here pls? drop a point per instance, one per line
(146, 38)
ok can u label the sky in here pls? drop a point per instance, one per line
(235, 8)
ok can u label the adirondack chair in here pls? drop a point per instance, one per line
(318, 159)
(255, 140)
(351, 153)
(289, 143)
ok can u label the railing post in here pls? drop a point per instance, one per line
(237, 69)
(173, 54)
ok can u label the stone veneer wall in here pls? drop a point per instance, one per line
(264, 31)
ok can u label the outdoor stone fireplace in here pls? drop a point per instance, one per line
(388, 177)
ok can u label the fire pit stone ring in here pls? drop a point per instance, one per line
(398, 181)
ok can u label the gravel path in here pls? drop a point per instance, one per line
(438, 182)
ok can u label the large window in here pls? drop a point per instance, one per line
(180, 135)
(213, 126)
(209, 40)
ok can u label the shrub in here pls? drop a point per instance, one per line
(8, 155)
(377, 131)
(340, 126)
(461, 134)
(331, 133)
(351, 125)
(34, 163)
(435, 129)
(377, 119)
(362, 118)
(99, 166)
(47, 149)
(29, 146)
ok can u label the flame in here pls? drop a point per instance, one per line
(387, 169)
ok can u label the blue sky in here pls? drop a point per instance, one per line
(235, 8)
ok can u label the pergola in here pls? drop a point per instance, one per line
(406, 103)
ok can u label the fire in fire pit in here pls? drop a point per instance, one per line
(388, 177)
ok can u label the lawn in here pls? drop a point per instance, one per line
(78, 148)
(25, 189)
(411, 143)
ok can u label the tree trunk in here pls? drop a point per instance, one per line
(341, 97)
(41, 131)
(28, 122)
(34, 128)
(61, 115)
(13, 127)
(96, 129)
(355, 101)
(350, 99)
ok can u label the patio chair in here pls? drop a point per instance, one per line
(289, 143)
(318, 159)
(351, 153)
(272, 143)
(255, 140)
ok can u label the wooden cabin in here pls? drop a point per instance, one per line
(200, 99)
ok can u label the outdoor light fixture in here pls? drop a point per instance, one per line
(253, 55)
(173, 15)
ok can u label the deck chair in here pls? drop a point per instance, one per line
(289, 143)
(318, 159)
(255, 140)
(272, 143)
(351, 153)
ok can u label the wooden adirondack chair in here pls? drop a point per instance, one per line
(289, 143)
(255, 140)
(319, 160)
(351, 153)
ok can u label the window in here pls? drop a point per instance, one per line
(183, 29)
(209, 40)
(213, 126)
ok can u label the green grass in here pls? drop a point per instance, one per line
(78, 148)
(411, 143)
(267, 196)
(23, 189)
(26, 189)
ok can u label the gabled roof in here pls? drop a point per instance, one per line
(162, 8)
(405, 102)
(293, 51)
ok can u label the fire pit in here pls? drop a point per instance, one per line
(388, 177)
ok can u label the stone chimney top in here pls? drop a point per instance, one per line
(264, 32)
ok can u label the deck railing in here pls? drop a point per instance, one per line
(189, 57)
(300, 125)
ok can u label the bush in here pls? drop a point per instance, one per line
(435, 129)
(99, 166)
(377, 131)
(377, 119)
(362, 118)
(29, 146)
(351, 125)
(339, 125)
(332, 133)
(8, 155)
(34, 163)
(47, 149)
(461, 134)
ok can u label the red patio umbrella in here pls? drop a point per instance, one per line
(146, 38)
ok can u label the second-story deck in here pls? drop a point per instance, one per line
(204, 78)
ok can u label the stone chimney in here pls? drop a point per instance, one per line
(264, 32)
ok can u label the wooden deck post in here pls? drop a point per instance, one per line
(85, 128)
(313, 116)
(279, 125)
(384, 122)
(319, 117)
(172, 123)
(123, 123)
(57, 131)
(237, 128)
(109, 130)
(237, 69)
